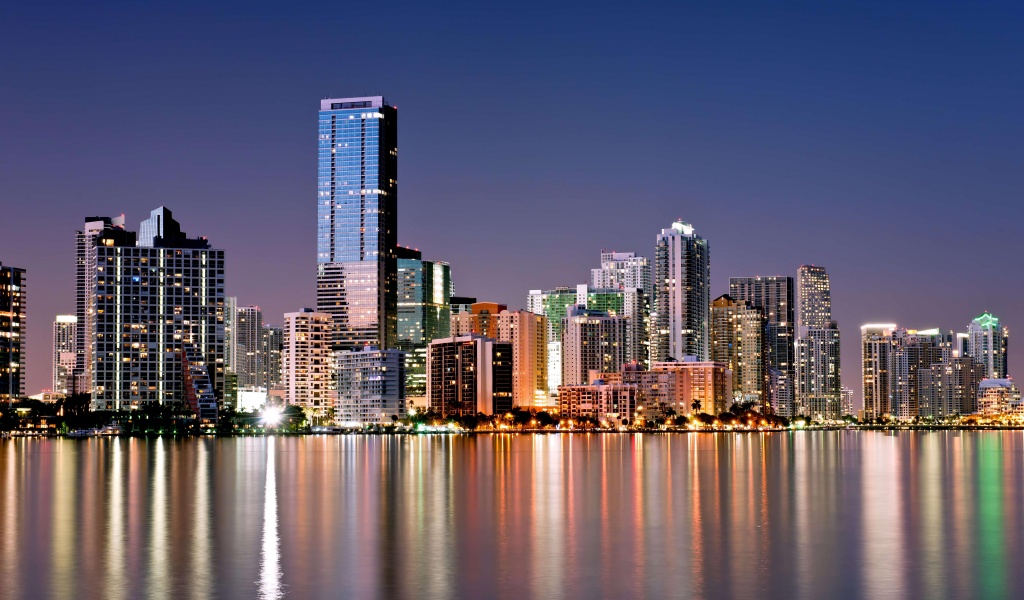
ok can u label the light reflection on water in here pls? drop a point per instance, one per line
(807, 514)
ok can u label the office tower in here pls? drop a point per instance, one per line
(681, 308)
(737, 341)
(307, 369)
(591, 341)
(272, 347)
(774, 295)
(65, 358)
(999, 397)
(553, 304)
(469, 374)
(847, 401)
(85, 292)
(424, 314)
(13, 309)
(357, 220)
(370, 386)
(615, 402)
(230, 313)
(632, 304)
(527, 332)
(987, 343)
(622, 270)
(152, 302)
(461, 304)
(819, 391)
(814, 298)
(950, 388)
(875, 348)
(247, 347)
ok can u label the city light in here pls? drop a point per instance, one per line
(272, 416)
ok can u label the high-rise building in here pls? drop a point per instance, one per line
(13, 308)
(230, 313)
(819, 390)
(591, 341)
(986, 344)
(247, 347)
(370, 386)
(357, 220)
(894, 359)
(469, 374)
(151, 302)
(272, 347)
(737, 341)
(847, 401)
(85, 292)
(481, 318)
(555, 305)
(461, 304)
(876, 346)
(622, 270)
(950, 388)
(65, 357)
(307, 369)
(814, 298)
(424, 314)
(680, 314)
(632, 304)
(774, 295)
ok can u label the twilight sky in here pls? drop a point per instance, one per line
(882, 140)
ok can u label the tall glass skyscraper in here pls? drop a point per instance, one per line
(681, 315)
(357, 220)
(424, 314)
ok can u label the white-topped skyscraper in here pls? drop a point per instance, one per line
(681, 312)
(357, 220)
(622, 270)
(987, 343)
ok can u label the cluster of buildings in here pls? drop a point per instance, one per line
(388, 335)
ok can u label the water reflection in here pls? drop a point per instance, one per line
(270, 557)
(806, 515)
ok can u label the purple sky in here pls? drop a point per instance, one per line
(879, 139)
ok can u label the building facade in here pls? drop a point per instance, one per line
(13, 310)
(469, 374)
(615, 402)
(737, 341)
(704, 386)
(554, 305)
(999, 397)
(591, 341)
(621, 271)
(65, 354)
(424, 313)
(680, 314)
(308, 363)
(814, 298)
(819, 389)
(987, 343)
(152, 300)
(950, 388)
(357, 220)
(370, 386)
(774, 296)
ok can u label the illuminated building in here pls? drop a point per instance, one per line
(616, 402)
(680, 314)
(13, 308)
(461, 304)
(950, 388)
(247, 347)
(999, 397)
(85, 292)
(371, 386)
(469, 374)
(527, 332)
(152, 302)
(591, 341)
(706, 385)
(737, 341)
(814, 298)
(986, 344)
(65, 356)
(621, 271)
(818, 388)
(553, 304)
(847, 401)
(357, 220)
(424, 314)
(307, 359)
(893, 361)
(774, 296)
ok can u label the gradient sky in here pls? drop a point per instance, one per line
(882, 140)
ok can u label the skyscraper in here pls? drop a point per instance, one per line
(818, 392)
(247, 347)
(987, 344)
(85, 291)
(680, 317)
(151, 304)
(469, 374)
(814, 298)
(622, 270)
(370, 386)
(737, 341)
(65, 340)
(13, 309)
(357, 220)
(875, 361)
(307, 370)
(591, 341)
(424, 314)
(273, 345)
(774, 295)
(555, 305)
(950, 388)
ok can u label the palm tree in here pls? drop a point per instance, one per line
(695, 405)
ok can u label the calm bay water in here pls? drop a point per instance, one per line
(780, 515)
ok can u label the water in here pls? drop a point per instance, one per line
(780, 515)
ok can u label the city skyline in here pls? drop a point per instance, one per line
(253, 194)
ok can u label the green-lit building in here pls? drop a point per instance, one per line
(424, 314)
